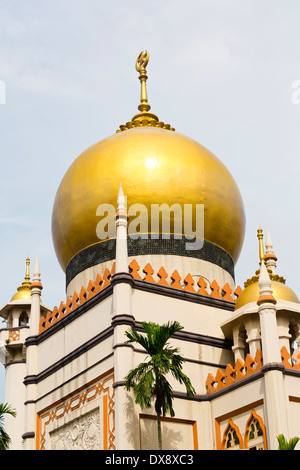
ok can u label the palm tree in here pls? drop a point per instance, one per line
(149, 380)
(5, 408)
(284, 444)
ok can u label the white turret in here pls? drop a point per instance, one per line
(275, 395)
(270, 257)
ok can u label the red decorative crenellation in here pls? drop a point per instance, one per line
(233, 374)
(189, 283)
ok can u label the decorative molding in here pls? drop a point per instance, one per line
(28, 435)
(82, 433)
(105, 250)
(231, 416)
(102, 287)
(234, 374)
(64, 413)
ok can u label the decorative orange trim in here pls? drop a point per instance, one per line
(76, 300)
(238, 291)
(232, 375)
(94, 390)
(230, 415)
(232, 425)
(176, 280)
(36, 284)
(215, 290)
(259, 419)
(226, 291)
(195, 436)
(266, 298)
(102, 282)
(148, 270)
(14, 334)
(121, 214)
(162, 274)
(270, 256)
(134, 268)
(188, 282)
(105, 423)
(202, 284)
(285, 357)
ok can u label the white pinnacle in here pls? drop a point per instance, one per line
(121, 201)
(268, 243)
(37, 271)
(264, 281)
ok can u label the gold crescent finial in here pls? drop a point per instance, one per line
(142, 62)
(261, 246)
(27, 275)
(144, 118)
(140, 65)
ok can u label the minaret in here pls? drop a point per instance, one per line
(122, 319)
(275, 396)
(267, 312)
(12, 340)
(121, 219)
(32, 359)
(36, 291)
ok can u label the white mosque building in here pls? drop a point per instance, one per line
(66, 366)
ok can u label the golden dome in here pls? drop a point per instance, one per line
(24, 292)
(155, 165)
(280, 289)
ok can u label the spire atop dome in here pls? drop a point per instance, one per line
(144, 118)
(23, 291)
(37, 271)
(140, 65)
(261, 245)
(270, 257)
(264, 282)
(265, 275)
(121, 220)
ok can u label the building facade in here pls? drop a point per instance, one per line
(148, 225)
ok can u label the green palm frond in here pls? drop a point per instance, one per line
(5, 440)
(148, 380)
(284, 444)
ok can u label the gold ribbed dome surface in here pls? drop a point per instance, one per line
(155, 166)
(280, 291)
(22, 294)
(251, 292)
(24, 291)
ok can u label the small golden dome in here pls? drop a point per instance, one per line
(280, 289)
(24, 292)
(155, 165)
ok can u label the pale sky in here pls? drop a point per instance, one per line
(220, 71)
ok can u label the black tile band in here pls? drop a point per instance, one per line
(106, 251)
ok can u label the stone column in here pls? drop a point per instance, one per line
(275, 399)
(32, 360)
(122, 319)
